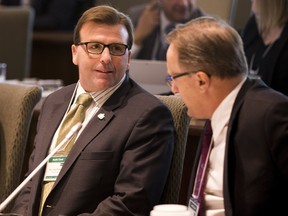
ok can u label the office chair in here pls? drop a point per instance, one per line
(16, 24)
(181, 124)
(16, 107)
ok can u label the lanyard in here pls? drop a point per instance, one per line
(201, 173)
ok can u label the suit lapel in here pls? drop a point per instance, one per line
(95, 126)
(52, 118)
(229, 149)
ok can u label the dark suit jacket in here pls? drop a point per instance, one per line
(148, 44)
(118, 165)
(273, 68)
(256, 154)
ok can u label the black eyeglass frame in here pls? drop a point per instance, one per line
(170, 78)
(104, 46)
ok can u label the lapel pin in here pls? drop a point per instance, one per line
(101, 116)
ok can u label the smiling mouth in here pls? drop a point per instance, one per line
(104, 72)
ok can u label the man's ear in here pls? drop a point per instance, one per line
(129, 61)
(74, 54)
(203, 79)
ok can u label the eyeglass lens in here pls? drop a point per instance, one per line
(114, 49)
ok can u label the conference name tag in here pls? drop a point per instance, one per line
(53, 167)
(194, 206)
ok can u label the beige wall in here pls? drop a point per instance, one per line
(236, 12)
(219, 8)
(122, 5)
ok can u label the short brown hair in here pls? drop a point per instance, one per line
(210, 45)
(104, 15)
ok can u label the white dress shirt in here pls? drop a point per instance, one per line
(213, 193)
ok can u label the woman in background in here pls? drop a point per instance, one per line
(265, 38)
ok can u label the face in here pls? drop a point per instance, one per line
(101, 71)
(178, 10)
(187, 86)
(254, 6)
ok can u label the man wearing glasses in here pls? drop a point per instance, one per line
(121, 157)
(245, 170)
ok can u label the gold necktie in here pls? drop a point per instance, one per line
(75, 115)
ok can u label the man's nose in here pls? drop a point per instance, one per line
(105, 56)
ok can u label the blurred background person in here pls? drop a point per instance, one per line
(10, 2)
(58, 15)
(265, 38)
(154, 20)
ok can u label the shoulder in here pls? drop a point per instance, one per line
(61, 94)
(138, 101)
(257, 92)
(142, 96)
(258, 104)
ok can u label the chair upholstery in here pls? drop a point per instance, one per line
(16, 24)
(181, 124)
(16, 107)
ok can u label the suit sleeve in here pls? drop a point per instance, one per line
(277, 128)
(144, 166)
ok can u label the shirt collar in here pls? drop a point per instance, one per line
(99, 97)
(163, 22)
(221, 116)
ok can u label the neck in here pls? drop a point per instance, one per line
(222, 88)
(272, 34)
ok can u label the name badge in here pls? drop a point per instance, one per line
(194, 206)
(53, 167)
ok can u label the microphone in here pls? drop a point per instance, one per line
(101, 214)
(105, 214)
(68, 136)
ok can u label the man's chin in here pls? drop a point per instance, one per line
(95, 86)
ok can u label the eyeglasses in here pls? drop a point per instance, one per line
(116, 49)
(170, 79)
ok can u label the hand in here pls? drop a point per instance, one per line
(148, 21)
